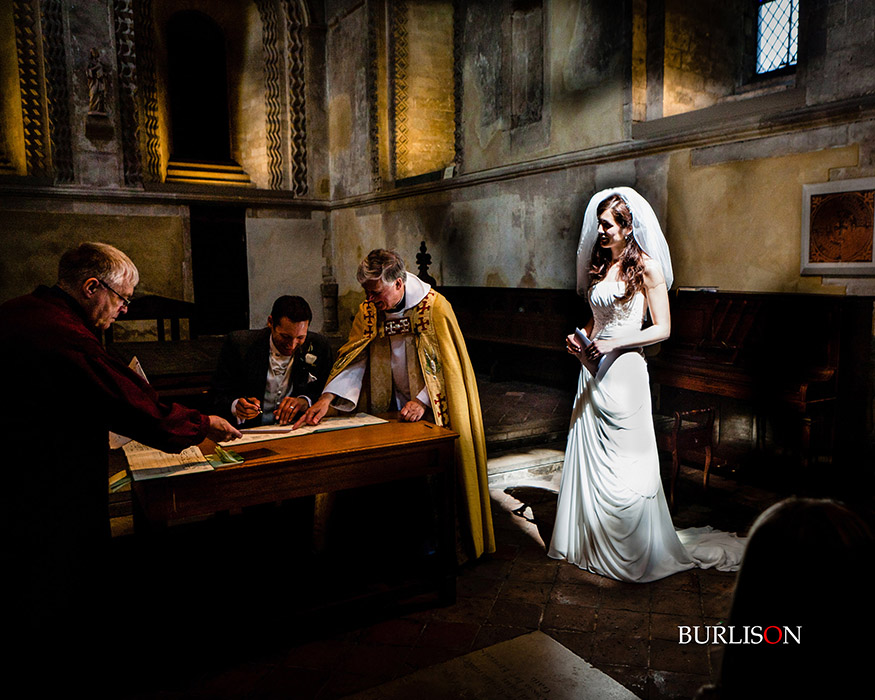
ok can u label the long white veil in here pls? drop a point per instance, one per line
(645, 229)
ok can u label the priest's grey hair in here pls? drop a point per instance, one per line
(381, 264)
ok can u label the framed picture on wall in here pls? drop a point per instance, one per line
(838, 228)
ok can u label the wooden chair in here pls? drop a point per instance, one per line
(686, 435)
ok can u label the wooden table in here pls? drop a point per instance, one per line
(306, 465)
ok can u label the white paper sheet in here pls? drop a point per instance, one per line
(149, 463)
(275, 432)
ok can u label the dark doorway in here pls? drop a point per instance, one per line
(219, 268)
(198, 86)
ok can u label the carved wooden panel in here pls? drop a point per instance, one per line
(36, 136)
(297, 97)
(150, 143)
(273, 85)
(126, 64)
(373, 96)
(458, 84)
(400, 53)
(57, 89)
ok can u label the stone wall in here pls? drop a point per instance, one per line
(537, 133)
(724, 167)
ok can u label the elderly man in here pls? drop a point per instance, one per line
(62, 395)
(275, 373)
(405, 352)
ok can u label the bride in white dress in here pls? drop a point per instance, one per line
(612, 517)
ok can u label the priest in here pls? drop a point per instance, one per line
(405, 352)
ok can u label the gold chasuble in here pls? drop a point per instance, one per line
(439, 358)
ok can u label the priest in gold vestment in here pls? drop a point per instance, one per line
(405, 352)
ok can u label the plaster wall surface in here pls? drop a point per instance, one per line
(285, 257)
(35, 240)
(347, 97)
(584, 94)
(737, 225)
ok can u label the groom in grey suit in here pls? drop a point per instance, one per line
(273, 374)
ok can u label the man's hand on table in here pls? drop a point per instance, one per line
(412, 411)
(316, 412)
(289, 408)
(221, 430)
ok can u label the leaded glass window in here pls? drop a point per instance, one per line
(777, 34)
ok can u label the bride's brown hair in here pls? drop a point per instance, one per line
(630, 262)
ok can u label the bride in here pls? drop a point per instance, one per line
(612, 517)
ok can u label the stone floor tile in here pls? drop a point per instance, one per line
(319, 654)
(581, 643)
(713, 581)
(668, 685)
(381, 660)
(525, 591)
(576, 618)
(675, 602)
(275, 685)
(478, 587)
(474, 610)
(632, 677)
(401, 632)
(494, 634)
(664, 626)
(670, 655)
(717, 604)
(515, 614)
(619, 649)
(536, 572)
(622, 622)
(422, 657)
(684, 581)
(569, 573)
(571, 594)
(233, 682)
(342, 684)
(505, 551)
(631, 596)
(449, 635)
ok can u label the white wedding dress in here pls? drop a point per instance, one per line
(612, 517)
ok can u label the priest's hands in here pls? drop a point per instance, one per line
(290, 407)
(221, 430)
(412, 411)
(316, 412)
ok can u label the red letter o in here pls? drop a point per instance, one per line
(772, 627)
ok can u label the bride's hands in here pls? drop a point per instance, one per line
(572, 345)
(598, 348)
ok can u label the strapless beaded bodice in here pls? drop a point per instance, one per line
(612, 317)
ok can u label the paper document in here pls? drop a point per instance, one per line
(275, 432)
(116, 440)
(149, 463)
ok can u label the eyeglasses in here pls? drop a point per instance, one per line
(125, 301)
